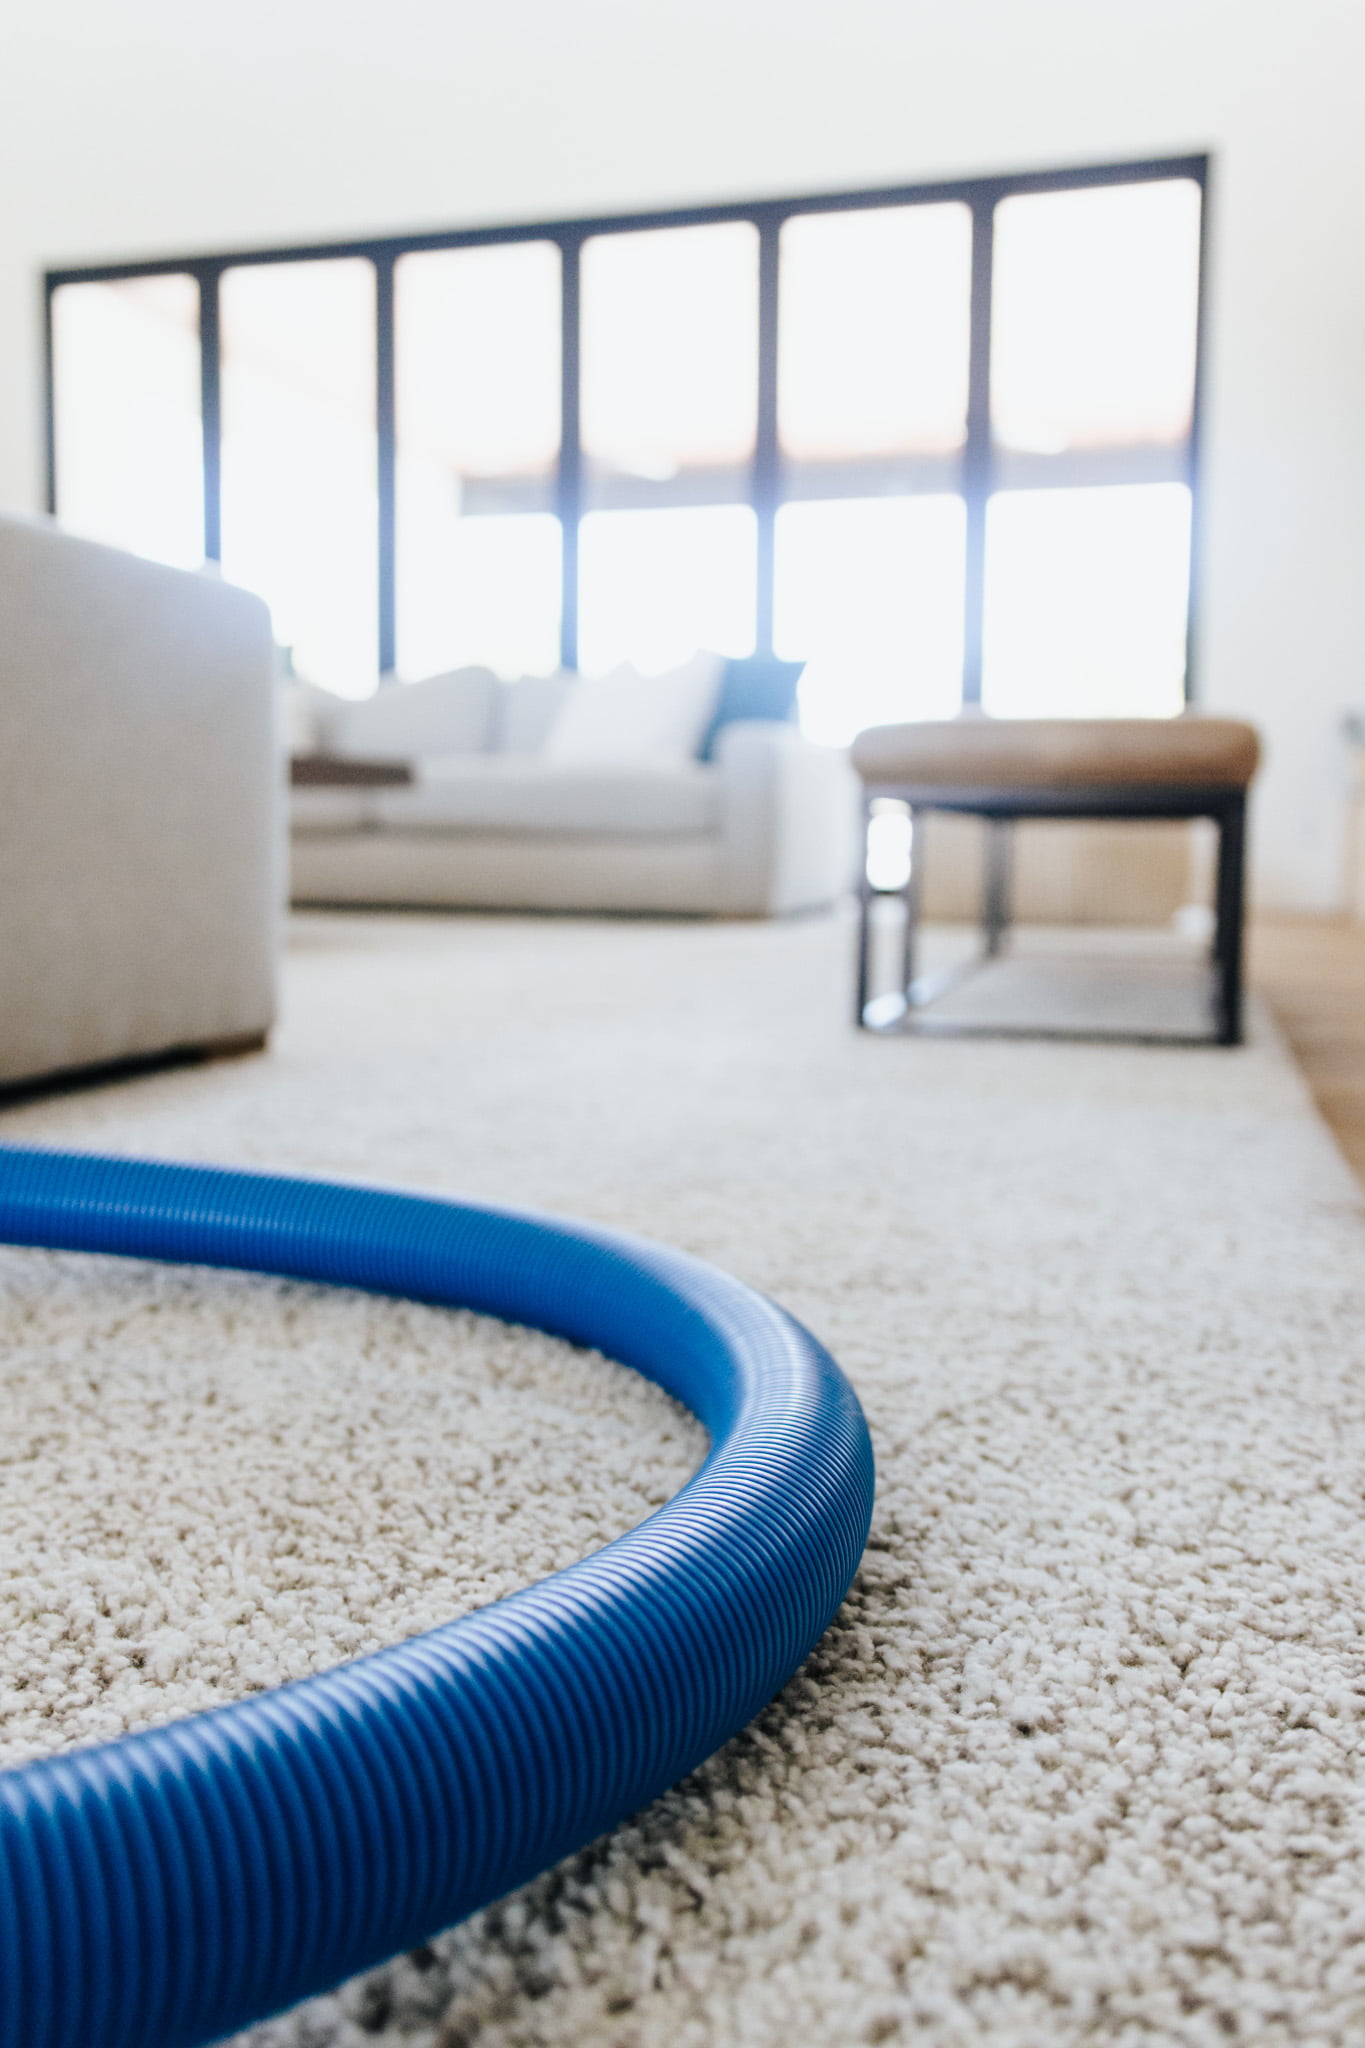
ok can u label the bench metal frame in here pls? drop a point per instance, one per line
(903, 1010)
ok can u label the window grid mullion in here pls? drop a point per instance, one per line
(209, 277)
(976, 450)
(767, 460)
(569, 486)
(49, 399)
(1193, 445)
(386, 458)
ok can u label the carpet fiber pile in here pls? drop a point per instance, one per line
(1083, 1760)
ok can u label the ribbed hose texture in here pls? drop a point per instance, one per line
(169, 1888)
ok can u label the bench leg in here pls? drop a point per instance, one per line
(913, 894)
(864, 925)
(1227, 942)
(996, 909)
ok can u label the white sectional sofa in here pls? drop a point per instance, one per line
(555, 793)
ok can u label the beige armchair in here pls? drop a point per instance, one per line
(140, 817)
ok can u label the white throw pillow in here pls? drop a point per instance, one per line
(307, 716)
(625, 716)
(450, 714)
(527, 709)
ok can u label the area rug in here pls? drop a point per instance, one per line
(1083, 1759)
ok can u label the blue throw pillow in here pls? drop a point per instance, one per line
(756, 687)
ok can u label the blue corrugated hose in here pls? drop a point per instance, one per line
(166, 1889)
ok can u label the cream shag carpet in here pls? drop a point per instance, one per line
(1081, 1761)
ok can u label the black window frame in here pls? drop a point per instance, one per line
(983, 470)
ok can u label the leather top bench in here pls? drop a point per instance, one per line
(1060, 753)
(1003, 769)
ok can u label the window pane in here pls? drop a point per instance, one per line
(300, 505)
(1095, 303)
(477, 589)
(869, 592)
(477, 347)
(655, 586)
(670, 355)
(1085, 602)
(478, 358)
(130, 455)
(875, 314)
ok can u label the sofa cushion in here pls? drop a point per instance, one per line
(527, 709)
(306, 716)
(442, 715)
(331, 810)
(502, 794)
(625, 716)
(756, 687)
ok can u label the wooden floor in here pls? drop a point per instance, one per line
(1311, 971)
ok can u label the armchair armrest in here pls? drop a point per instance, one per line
(140, 856)
(789, 820)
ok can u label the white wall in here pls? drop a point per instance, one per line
(165, 126)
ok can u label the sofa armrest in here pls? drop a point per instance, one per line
(789, 820)
(141, 874)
